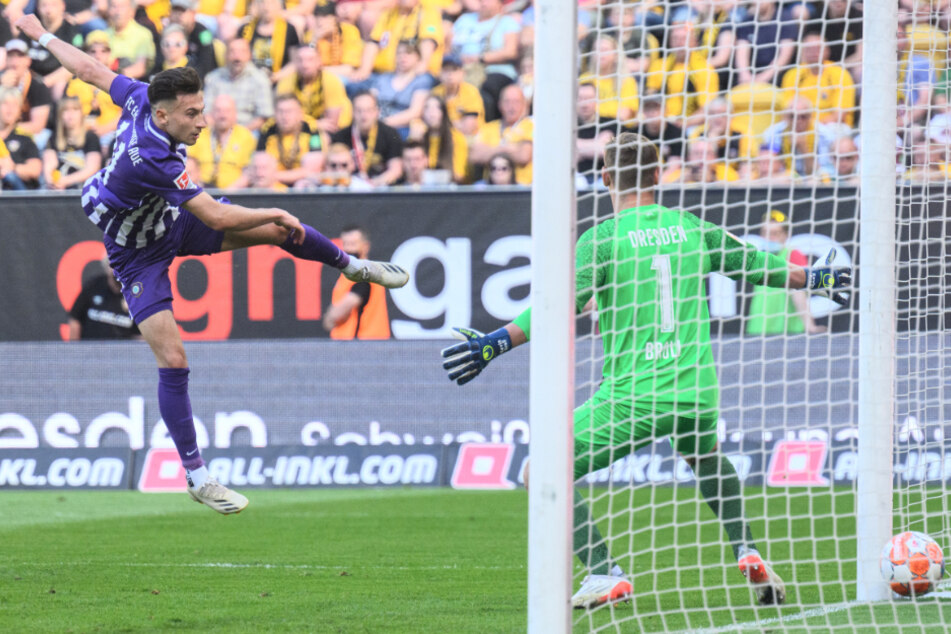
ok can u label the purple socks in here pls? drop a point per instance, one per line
(317, 247)
(176, 411)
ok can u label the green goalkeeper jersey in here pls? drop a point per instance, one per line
(646, 268)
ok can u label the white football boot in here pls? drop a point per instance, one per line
(385, 274)
(769, 587)
(598, 589)
(219, 497)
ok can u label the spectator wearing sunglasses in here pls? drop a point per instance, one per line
(500, 171)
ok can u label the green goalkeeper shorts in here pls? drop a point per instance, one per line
(608, 430)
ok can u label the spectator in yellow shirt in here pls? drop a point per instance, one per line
(224, 148)
(617, 90)
(512, 134)
(733, 144)
(827, 85)
(320, 92)
(288, 137)
(339, 43)
(131, 43)
(684, 76)
(223, 17)
(702, 165)
(408, 21)
(446, 148)
(793, 138)
(463, 100)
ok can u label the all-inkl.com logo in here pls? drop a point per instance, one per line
(136, 288)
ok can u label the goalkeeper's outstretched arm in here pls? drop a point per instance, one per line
(464, 361)
(739, 261)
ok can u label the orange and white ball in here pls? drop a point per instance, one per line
(912, 563)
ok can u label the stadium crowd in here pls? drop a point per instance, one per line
(317, 94)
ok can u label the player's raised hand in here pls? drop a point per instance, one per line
(30, 26)
(464, 361)
(827, 278)
(291, 223)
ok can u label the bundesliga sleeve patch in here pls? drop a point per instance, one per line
(183, 182)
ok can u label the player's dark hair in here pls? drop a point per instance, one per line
(632, 161)
(171, 83)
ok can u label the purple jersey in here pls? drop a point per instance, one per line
(135, 199)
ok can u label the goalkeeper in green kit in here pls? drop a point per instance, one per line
(646, 268)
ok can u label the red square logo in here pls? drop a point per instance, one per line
(162, 472)
(183, 182)
(797, 463)
(483, 466)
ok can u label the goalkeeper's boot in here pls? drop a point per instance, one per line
(385, 274)
(769, 587)
(219, 497)
(599, 589)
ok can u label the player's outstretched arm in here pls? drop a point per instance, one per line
(741, 261)
(74, 60)
(464, 361)
(222, 217)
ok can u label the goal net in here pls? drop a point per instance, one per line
(794, 129)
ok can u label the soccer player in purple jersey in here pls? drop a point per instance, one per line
(150, 212)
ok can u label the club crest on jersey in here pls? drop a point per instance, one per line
(183, 182)
(136, 288)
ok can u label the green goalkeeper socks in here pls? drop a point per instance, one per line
(720, 487)
(589, 545)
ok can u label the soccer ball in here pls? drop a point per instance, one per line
(912, 563)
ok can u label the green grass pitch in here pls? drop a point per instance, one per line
(413, 560)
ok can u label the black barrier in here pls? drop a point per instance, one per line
(468, 251)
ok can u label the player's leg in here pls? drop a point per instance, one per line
(603, 434)
(148, 292)
(721, 488)
(161, 332)
(318, 247)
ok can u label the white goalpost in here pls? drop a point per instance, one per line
(551, 395)
(877, 297)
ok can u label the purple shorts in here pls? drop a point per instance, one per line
(143, 273)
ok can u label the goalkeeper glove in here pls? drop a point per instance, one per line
(465, 360)
(828, 277)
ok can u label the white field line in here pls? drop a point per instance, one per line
(781, 620)
(811, 613)
(261, 566)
